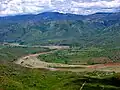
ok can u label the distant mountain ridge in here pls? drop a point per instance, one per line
(45, 16)
(60, 16)
(57, 28)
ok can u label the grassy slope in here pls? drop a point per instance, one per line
(14, 77)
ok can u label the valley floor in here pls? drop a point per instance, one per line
(31, 61)
(21, 69)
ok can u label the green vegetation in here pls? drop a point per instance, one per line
(83, 56)
(94, 39)
(8, 53)
(94, 30)
(14, 77)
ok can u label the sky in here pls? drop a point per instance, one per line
(84, 7)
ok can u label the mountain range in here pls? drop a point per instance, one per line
(99, 29)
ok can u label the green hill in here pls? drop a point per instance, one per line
(97, 30)
(13, 77)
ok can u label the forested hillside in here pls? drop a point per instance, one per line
(54, 28)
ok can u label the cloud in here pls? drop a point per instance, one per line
(102, 4)
(12, 7)
(89, 6)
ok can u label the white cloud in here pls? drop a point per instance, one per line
(102, 4)
(11, 7)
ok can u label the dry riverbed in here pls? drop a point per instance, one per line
(31, 61)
